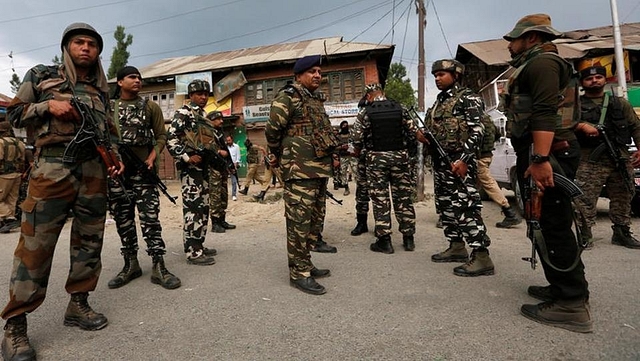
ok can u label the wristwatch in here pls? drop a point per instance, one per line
(537, 158)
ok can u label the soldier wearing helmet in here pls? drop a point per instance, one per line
(192, 143)
(60, 184)
(384, 130)
(455, 121)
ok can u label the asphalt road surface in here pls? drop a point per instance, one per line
(377, 307)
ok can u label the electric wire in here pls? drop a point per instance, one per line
(64, 11)
(442, 29)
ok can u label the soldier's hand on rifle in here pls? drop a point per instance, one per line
(421, 138)
(116, 171)
(151, 159)
(63, 110)
(588, 129)
(459, 168)
(336, 160)
(195, 159)
(223, 153)
(541, 173)
(635, 159)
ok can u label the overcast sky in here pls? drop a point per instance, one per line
(31, 29)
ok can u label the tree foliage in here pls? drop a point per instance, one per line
(56, 61)
(398, 86)
(120, 55)
(15, 83)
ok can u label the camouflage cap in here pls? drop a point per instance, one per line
(372, 87)
(214, 115)
(198, 85)
(80, 29)
(451, 65)
(534, 22)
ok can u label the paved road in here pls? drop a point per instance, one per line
(378, 307)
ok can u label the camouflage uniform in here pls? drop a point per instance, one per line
(12, 160)
(458, 199)
(218, 185)
(57, 187)
(593, 173)
(387, 164)
(141, 125)
(190, 132)
(347, 161)
(295, 114)
(255, 153)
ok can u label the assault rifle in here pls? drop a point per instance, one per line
(533, 211)
(615, 154)
(91, 134)
(131, 159)
(330, 195)
(435, 146)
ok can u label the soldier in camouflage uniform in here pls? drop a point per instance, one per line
(12, 155)
(301, 142)
(141, 129)
(362, 186)
(255, 155)
(596, 167)
(79, 183)
(347, 160)
(455, 121)
(191, 142)
(385, 129)
(218, 179)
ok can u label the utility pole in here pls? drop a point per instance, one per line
(422, 22)
(617, 46)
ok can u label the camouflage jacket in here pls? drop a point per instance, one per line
(189, 133)
(12, 155)
(141, 125)
(456, 121)
(289, 134)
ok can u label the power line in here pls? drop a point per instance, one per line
(404, 38)
(441, 29)
(401, 15)
(64, 11)
(631, 12)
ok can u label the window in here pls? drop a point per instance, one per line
(166, 101)
(337, 86)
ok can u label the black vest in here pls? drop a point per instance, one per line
(386, 126)
(615, 122)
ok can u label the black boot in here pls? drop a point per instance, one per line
(80, 314)
(161, 276)
(361, 226)
(346, 190)
(383, 245)
(15, 344)
(260, 197)
(308, 285)
(510, 218)
(622, 237)
(408, 243)
(226, 225)
(322, 247)
(216, 225)
(130, 271)
(244, 191)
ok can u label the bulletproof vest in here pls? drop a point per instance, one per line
(12, 153)
(615, 122)
(386, 126)
(489, 136)
(203, 134)
(135, 128)
(448, 125)
(252, 155)
(519, 106)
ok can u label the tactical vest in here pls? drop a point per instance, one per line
(386, 126)
(12, 153)
(519, 106)
(617, 125)
(252, 155)
(451, 131)
(50, 86)
(489, 136)
(135, 128)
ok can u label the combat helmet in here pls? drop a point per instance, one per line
(450, 65)
(77, 29)
(214, 115)
(198, 85)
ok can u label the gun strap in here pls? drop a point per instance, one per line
(605, 105)
(544, 253)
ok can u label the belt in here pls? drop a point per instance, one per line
(57, 151)
(53, 151)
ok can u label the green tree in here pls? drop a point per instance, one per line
(56, 61)
(120, 55)
(15, 83)
(398, 86)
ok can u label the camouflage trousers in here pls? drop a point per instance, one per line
(195, 207)
(218, 193)
(22, 195)
(460, 206)
(590, 178)
(55, 189)
(9, 191)
(143, 196)
(362, 186)
(252, 173)
(348, 166)
(391, 170)
(304, 210)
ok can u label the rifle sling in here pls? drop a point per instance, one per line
(540, 243)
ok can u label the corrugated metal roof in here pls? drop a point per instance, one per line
(494, 52)
(257, 55)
